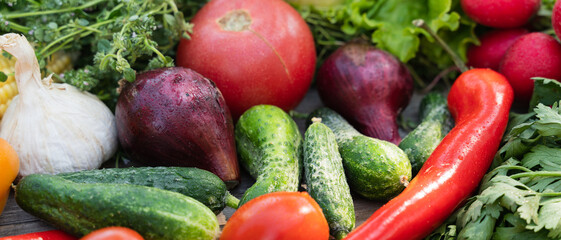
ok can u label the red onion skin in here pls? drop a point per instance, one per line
(177, 117)
(367, 86)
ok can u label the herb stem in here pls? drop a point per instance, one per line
(61, 46)
(511, 167)
(17, 27)
(457, 60)
(44, 50)
(160, 55)
(550, 194)
(537, 174)
(416, 76)
(30, 14)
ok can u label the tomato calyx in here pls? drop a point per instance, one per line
(236, 20)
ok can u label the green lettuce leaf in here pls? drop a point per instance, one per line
(388, 24)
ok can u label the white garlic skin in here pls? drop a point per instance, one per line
(59, 132)
(54, 127)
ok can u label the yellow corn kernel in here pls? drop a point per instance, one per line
(59, 62)
(8, 89)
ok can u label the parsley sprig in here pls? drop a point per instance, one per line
(112, 38)
(520, 198)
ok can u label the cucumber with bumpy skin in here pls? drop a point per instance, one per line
(375, 169)
(80, 208)
(202, 185)
(325, 179)
(435, 124)
(270, 147)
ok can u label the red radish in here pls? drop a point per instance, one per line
(367, 86)
(493, 47)
(532, 55)
(501, 13)
(556, 18)
(176, 117)
(257, 52)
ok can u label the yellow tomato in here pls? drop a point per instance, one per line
(9, 167)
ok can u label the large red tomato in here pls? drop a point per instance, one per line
(278, 216)
(257, 52)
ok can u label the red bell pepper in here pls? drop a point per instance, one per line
(480, 101)
(46, 235)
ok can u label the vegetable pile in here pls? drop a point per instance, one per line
(192, 94)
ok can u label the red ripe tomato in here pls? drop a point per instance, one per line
(257, 52)
(501, 13)
(113, 233)
(278, 216)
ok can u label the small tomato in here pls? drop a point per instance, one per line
(9, 167)
(113, 233)
(278, 215)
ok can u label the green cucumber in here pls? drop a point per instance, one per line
(325, 179)
(80, 208)
(375, 169)
(436, 122)
(270, 147)
(199, 184)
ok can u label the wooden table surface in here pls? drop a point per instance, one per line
(14, 220)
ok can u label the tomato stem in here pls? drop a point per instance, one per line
(457, 60)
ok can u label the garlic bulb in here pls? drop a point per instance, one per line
(54, 127)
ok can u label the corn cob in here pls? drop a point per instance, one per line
(58, 63)
(8, 89)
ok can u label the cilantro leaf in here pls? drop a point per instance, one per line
(546, 91)
(514, 228)
(548, 159)
(549, 218)
(549, 120)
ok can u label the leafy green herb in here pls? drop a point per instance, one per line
(521, 197)
(115, 38)
(547, 92)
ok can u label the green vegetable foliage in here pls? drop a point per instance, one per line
(113, 39)
(388, 24)
(520, 198)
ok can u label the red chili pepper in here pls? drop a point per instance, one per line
(46, 235)
(479, 101)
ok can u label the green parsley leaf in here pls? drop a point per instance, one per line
(514, 228)
(549, 218)
(549, 120)
(546, 158)
(546, 91)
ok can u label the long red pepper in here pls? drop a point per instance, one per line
(479, 101)
(45, 235)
